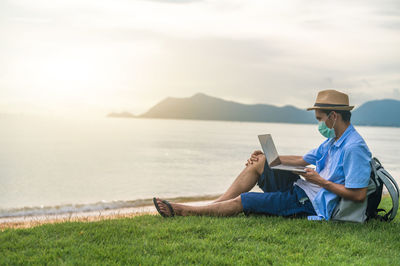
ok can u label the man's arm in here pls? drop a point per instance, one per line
(293, 160)
(354, 194)
(285, 159)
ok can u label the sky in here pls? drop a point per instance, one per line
(92, 57)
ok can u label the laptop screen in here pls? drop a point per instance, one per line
(268, 147)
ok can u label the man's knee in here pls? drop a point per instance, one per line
(238, 202)
(238, 199)
(258, 166)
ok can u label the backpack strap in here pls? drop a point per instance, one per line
(393, 190)
(391, 180)
(375, 165)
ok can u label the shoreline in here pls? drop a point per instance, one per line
(146, 208)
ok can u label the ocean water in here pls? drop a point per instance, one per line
(50, 165)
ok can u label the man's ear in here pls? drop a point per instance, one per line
(334, 116)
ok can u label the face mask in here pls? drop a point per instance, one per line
(325, 130)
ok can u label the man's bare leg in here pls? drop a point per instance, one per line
(226, 208)
(246, 180)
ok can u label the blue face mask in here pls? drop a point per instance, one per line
(325, 130)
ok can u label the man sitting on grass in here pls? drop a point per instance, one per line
(342, 171)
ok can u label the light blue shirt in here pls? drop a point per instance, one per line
(349, 165)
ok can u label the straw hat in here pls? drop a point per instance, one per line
(331, 100)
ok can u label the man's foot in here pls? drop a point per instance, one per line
(163, 207)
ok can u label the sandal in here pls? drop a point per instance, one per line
(168, 205)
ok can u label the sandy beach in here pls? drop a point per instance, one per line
(89, 216)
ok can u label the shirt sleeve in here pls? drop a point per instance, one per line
(314, 155)
(356, 166)
(311, 156)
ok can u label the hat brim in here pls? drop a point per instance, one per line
(339, 108)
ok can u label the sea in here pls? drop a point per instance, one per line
(51, 165)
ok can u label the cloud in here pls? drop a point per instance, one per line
(175, 1)
(252, 51)
(393, 25)
(396, 93)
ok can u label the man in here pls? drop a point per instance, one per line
(342, 171)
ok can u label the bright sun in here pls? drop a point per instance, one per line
(66, 75)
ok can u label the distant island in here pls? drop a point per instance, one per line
(122, 114)
(204, 107)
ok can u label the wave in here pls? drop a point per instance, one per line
(98, 206)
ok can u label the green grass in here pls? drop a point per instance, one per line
(204, 240)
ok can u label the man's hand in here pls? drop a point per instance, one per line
(312, 176)
(254, 157)
(354, 194)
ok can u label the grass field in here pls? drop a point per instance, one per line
(151, 239)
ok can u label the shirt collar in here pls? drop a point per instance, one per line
(347, 132)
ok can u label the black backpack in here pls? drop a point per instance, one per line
(380, 178)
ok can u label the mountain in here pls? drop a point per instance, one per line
(203, 107)
(378, 113)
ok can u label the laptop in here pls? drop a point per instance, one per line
(272, 156)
